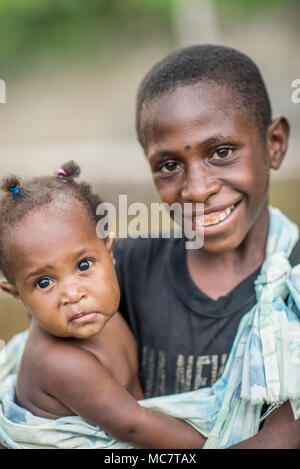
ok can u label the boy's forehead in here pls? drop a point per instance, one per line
(198, 111)
(200, 99)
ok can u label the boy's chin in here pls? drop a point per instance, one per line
(219, 246)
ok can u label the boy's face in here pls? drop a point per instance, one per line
(64, 272)
(202, 148)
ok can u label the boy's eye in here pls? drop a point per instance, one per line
(169, 166)
(44, 283)
(221, 153)
(86, 264)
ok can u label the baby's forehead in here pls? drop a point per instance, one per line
(51, 238)
(44, 227)
(69, 214)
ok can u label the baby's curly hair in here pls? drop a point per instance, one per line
(24, 196)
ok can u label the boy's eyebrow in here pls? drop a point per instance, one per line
(210, 141)
(205, 143)
(216, 139)
(163, 154)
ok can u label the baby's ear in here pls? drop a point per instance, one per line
(10, 288)
(109, 241)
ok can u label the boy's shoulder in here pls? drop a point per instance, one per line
(137, 251)
(295, 256)
(142, 248)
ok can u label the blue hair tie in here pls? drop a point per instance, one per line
(15, 190)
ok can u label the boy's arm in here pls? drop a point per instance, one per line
(86, 387)
(280, 431)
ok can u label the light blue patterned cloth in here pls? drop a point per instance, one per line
(263, 367)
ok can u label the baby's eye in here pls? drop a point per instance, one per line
(86, 264)
(221, 153)
(44, 283)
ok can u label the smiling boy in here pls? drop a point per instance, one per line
(204, 121)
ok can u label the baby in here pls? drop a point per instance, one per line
(80, 357)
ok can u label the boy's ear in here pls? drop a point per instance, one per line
(277, 139)
(109, 241)
(10, 288)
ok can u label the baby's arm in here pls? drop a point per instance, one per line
(86, 387)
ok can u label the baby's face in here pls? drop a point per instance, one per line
(64, 272)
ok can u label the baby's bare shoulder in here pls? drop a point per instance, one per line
(45, 356)
(122, 335)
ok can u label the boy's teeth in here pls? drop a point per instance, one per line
(215, 218)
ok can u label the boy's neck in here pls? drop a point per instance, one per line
(216, 274)
(251, 251)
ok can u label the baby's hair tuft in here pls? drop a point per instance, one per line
(71, 170)
(9, 183)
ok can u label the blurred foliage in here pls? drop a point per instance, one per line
(34, 30)
(247, 9)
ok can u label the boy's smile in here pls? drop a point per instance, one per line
(203, 148)
(64, 272)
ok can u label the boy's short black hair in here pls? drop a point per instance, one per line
(207, 63)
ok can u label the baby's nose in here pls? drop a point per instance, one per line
(73, 293)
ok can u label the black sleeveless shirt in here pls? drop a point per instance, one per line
(183, 336)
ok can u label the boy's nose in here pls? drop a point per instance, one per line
(199, 186)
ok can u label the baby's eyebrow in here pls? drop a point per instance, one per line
(37, 272)
(81, 253)
(45, 268)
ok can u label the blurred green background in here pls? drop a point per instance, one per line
(72, 68)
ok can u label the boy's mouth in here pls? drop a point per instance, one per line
(214, 218)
